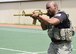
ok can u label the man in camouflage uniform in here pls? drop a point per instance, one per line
(59, 29)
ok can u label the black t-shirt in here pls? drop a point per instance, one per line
(64, 21)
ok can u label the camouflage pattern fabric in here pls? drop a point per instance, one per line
(63, 48)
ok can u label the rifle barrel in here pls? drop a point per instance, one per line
(26, 14)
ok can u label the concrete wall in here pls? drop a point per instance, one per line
(7, 11)
(70, 8)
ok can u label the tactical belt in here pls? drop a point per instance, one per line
(60, 41)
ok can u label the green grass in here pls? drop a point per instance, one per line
(25, 41)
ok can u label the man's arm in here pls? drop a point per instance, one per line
(45, 21)
(53, 21)
(58, 18)
(43, 26)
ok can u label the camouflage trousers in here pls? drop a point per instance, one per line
(63, 48)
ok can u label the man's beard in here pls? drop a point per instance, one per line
(50, 14)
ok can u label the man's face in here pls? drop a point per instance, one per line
(50, 9)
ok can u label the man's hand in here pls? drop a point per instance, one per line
(35, 14)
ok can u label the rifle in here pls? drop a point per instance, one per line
(34, 19)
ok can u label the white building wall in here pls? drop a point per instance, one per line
(7, 11)
(70, 8)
